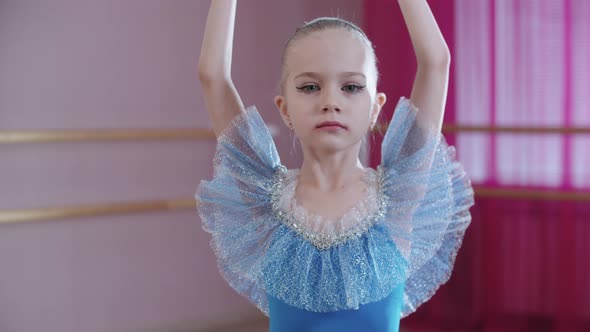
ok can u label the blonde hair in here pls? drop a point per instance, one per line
(324, 23)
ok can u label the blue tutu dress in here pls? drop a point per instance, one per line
(362, 272)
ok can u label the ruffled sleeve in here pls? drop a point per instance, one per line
(235, 205)
(429, 196)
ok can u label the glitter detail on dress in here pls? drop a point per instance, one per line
(325, 233)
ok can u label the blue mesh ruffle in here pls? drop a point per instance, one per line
(235, 205)
(428, 197)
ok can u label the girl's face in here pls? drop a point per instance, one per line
(330, 76)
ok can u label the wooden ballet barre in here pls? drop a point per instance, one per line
(78, 211)
(120, 208)
(456, 128)
(531, 194)
(92, 135)
(70, 135)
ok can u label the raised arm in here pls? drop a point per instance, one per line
(221, 97)
(429, 92)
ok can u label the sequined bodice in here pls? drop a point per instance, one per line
(324, 232)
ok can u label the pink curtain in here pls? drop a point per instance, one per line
(524, 63)
(524, 265)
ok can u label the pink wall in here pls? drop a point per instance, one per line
(120, 64)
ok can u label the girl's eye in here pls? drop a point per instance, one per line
(352, 88)
(309, 88)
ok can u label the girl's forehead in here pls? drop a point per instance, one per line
(328, 50)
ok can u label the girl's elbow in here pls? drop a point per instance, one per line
(204, 72)
(439, 59)
(436, 64)
(203, 76)
(207, 76)
(442, 60)
(446, 57)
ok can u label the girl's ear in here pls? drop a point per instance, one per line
(282, 107)
(380, 99)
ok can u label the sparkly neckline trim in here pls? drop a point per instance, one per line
(323, 232)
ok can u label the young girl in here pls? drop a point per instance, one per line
(333, 246)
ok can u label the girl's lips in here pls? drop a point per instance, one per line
(331, 124)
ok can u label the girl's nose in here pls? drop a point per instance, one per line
(330, 102)
(331, 107)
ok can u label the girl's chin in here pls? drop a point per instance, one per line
(329, 144)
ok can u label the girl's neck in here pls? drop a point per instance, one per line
(330, 173)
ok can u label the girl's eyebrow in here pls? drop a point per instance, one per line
(352, 73)
(307, 74)
(317, 75)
